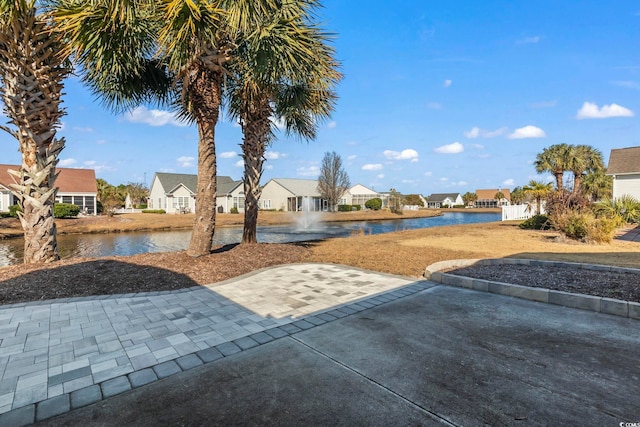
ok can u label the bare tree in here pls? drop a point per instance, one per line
(333, 180)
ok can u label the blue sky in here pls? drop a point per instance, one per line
(438, 96)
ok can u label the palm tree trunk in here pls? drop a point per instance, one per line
(559, 180)
(256, 128)
(577, 180)
(205, 220)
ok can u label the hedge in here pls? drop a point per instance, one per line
(65, 210)
(154, 211)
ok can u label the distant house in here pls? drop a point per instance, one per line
(624, 167)
(487, 198)
(75, 186)
(292, 195)
(439, 200)
(359, 195)
(176, 193)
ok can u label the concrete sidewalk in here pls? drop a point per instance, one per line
(316, 344)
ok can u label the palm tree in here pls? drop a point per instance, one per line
(468, 198)
(499, 196)
(174, 53)
(597, 185)
(517, 196)
(537, 190)
(554, 159)
(32, 69)
(284, 74)
(584, 158)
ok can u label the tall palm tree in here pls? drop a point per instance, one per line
(537, 190)
(285, 73)
(498, 197)
(32, 70)
(554, 159)
(173, 52)
(584, 158)
(597, 185)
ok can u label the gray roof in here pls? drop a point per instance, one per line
(441, 197)
(170, 181)
(299, 187)
(227, 187)
(624, 161)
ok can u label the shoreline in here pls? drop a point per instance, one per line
(10, 228)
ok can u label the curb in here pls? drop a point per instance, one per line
(584, 302)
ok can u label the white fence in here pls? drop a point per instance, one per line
(515, 212)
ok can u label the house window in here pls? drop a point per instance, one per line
(238, 202)
(67, 199)
(266, 204)
(181, 202)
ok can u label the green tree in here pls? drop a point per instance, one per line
(333, 180)
(395, 201)
(284, 73)
(584, 159)
(596, 185)
(138, 192)
(413, 200)
(469, 198)
(32, 69)
(373, 204)
(174, 53)
(556, 160)
(499, 196)
(518, 196)
(537, 190)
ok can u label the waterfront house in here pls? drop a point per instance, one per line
(75, 186)
(487, 198)
(292, 195)
(359, 195)
(440, 200)
(624, 167)
(176, 193)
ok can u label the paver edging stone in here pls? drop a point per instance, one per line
(584, 302)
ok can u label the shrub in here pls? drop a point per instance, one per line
(584, 226)
(154, 211)
(65, 210)
(13, 210)
(344, 208)
(233, 210)
(536, 222)
(623, 210)
(459, 206)
(142, 206)
(374, 204)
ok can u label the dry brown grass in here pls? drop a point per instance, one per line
(410, 252)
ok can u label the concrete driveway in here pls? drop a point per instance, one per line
(443, 356)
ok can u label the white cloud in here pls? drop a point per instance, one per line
(408, 181)
(352, 157)
(185, 161)
(444, 179)
(509, 182)
(528, 132)
(590, 110)
(476, 132)
(332, 124)
(101, 142)
(460, 183)
(380, 176)
(67, 162)
(372, 167)
(239, 163)
(477, 146)
(153, 117)
(268, 167)
(453, 148)
(529, 40)
(280, 124)
(408, 154)
(434, 106)
(308, 171)
(227, 155)
(274, 155)
(89, 162)
(447, 83)
(428, 173)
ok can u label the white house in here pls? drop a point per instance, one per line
(487, 198)
(359, 195)
(75, 186)
(624, 167)
(176, 193)
(440, 200)
(292, 195)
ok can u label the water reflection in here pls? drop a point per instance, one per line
(97, 245)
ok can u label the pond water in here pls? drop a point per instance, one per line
(97, 245)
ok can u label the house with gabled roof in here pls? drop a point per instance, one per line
(487, 198)
(440, 200)
(75, 186)
(292, 195)
(176, 193)
(624, 167)
(359, 195)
